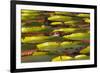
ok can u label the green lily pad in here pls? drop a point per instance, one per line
(56, 23)
(32, 24)
(82, 57)
(29, 11)
(83, 15)
(72, 22)
(78, 36)
(87, 20)
(27, 46)
(66, 30)
(85, 50)
(64, 13)
(62, 58)
(35, 39)
(48, 46)
(44, 58)
(59, 18)
(39, 53)
(36, 29)
(72, 45)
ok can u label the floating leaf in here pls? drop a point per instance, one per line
(61, 58)
(70, 45)
(59, 18)
(29, 11)
(48, 46)
(39, 53)
(87, 20)
(44, 58)
(27, 46)
(77, 36)
(56, 23)
(36, 29)
(83, 15)
(72, 22)
(29, 15)
(81, 57)
(34, 39)
(66, 30)
(63, 13)
(85, 50)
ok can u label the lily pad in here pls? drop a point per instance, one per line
(77, 36)
(82, 57)
(62, 58)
